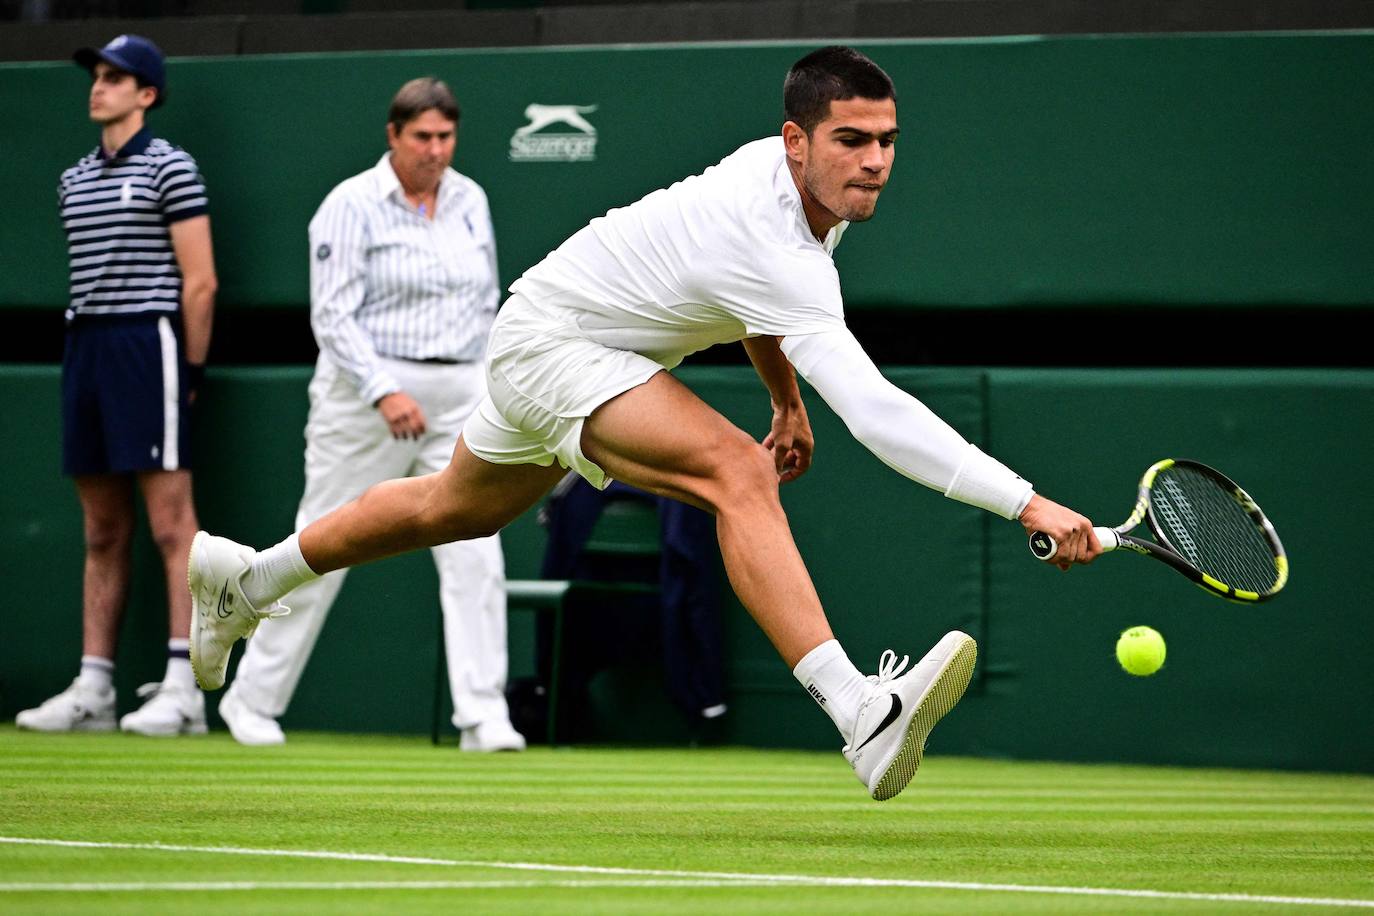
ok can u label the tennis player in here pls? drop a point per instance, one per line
(577, 378)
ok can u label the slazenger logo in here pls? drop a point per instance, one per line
(527, 144)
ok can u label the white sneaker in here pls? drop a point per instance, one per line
(77, 709)
(247, 725)
(891, 727)
(220, 614)
(492, 735)
(173, 710)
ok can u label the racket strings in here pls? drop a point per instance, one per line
(1208, 525)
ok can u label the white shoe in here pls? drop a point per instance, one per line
(247, 725)
(173, 710)
(492, 735)
(220, 614)
(77, 709)
(891, 727)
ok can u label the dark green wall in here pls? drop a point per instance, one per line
(1223, 169)
(1283, 684)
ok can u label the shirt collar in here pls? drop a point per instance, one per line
(388, 184)
(790, 197)
(785, 187)
(137, 144)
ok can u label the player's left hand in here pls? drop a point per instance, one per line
(791, 442)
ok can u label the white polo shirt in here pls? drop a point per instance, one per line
(117, 212)
(714, 258)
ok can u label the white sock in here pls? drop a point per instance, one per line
(96, 673)
(833, 682)
(275, 571)
(179, 665)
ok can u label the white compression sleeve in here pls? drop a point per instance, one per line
(905, 434)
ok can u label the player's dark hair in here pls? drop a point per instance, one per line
(421, 95)
(830, 74)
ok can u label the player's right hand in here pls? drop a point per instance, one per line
(1071, 531)
(791, 441)
(403, 416)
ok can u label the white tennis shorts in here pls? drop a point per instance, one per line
(543, 380)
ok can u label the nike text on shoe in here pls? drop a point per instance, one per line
(173, 710)
(247, 725)
(220, 614)
(892, 725)
(76, 709)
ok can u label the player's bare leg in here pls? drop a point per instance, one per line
(234, 587)
(470, 498)
(661, 437)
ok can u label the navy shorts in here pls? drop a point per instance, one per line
(124, 406)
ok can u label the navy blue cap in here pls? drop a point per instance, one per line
(132, 54)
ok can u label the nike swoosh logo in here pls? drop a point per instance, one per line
(223, 593)
(891, 717)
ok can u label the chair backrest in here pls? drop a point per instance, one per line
(626, 527)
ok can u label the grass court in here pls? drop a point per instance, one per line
(336, 823)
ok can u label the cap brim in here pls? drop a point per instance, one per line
(87, 57)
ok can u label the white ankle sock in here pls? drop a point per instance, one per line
(833, 682)
(275, 571)
(96, 673)
(179, 664)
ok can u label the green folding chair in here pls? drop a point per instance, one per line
(626, 528)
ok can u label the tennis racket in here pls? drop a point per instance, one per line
(1205, 526)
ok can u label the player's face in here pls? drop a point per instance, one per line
(422, 149)
(115, 94)
(847, 159)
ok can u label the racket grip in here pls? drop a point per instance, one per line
(1044, 546)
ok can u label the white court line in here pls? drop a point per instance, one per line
(98, 887)
(726, 878)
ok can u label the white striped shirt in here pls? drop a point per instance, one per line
(387, 282)
(116, 212)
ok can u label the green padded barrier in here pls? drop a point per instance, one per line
(1164, 170)
(1278, 685)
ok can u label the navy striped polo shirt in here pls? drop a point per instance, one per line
(116, 211)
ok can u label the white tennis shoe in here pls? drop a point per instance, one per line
(77, 709)
(247, 725)
(891, 727)
(220, 614)
(173, 710)
(492, 735)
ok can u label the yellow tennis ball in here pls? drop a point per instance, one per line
(1140, 650)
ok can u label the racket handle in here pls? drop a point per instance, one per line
(1044, 546)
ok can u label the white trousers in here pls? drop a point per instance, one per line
(348, 448)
